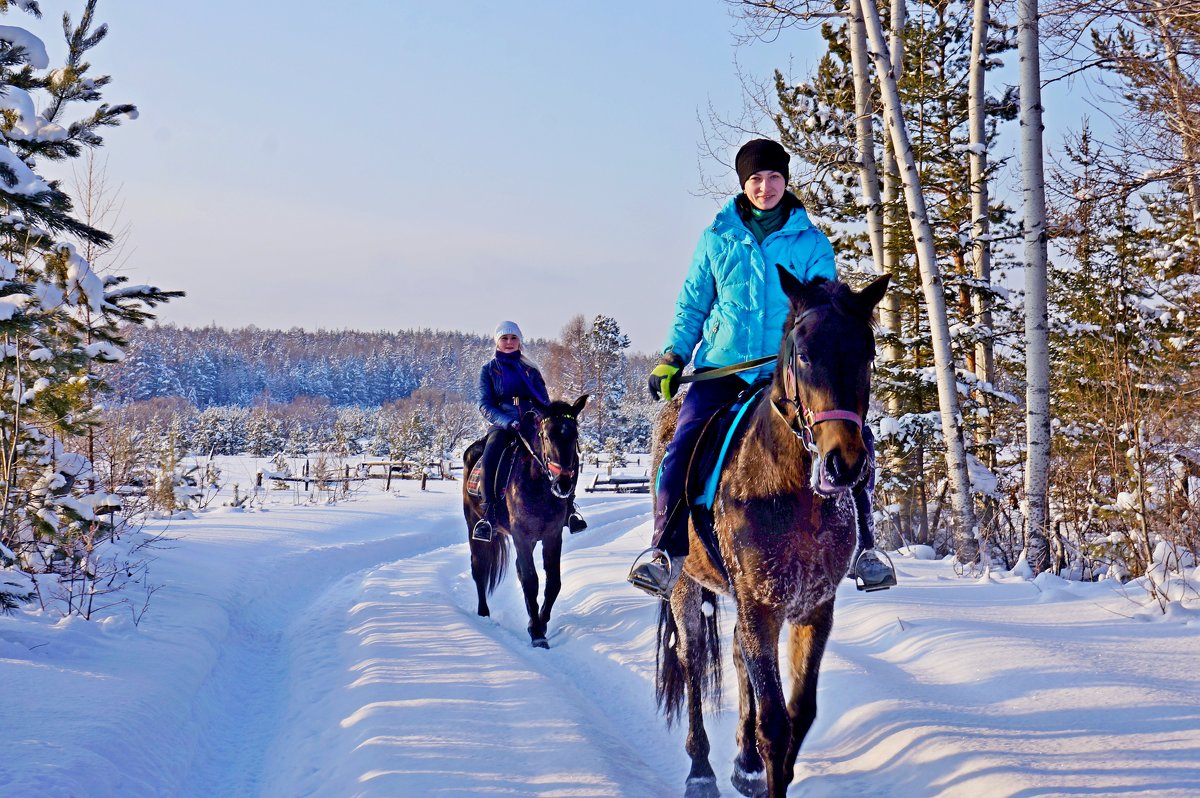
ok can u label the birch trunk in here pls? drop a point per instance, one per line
(889, 309)
(868, 173)
(980, 224)
(963, 524)
(1037, 349)
(1187, 132)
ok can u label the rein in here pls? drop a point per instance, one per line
(803, 414)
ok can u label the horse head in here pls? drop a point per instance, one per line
(823, 377)
(552, 435)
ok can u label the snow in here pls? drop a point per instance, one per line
(303, 648)
(35, 48)
(27, 182)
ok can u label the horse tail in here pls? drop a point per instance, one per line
(671, 679)
(494, 558)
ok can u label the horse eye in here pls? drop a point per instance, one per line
(802, 359)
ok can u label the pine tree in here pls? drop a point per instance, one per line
(58, 317)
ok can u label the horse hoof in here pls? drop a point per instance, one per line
(483, 612)
(751, 785)
(701, 787)
(540, 642)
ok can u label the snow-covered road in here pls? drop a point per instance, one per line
(333, 650)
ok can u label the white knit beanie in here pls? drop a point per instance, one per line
(507, 328)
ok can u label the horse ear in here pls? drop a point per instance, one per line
(577, 408)
(872, 295)
(800, 293)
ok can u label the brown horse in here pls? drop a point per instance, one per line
(535, 509)
(785, 524)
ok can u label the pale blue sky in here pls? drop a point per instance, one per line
(390, 165)
(380, 165)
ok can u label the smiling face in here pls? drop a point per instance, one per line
(508, 343)
(765, 189)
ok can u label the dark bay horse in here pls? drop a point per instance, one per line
(785, 524)
(535, 508)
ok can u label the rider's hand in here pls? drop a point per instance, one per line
(514, 425)
(664, 379)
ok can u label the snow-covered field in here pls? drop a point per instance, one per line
(333, 650)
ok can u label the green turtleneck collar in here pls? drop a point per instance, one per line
(762, 223)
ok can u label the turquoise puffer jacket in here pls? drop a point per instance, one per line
(731, 302)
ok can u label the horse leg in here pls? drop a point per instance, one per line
(806, 647)
(693, 645)
(748, 776)
(527, 573)
(481, 554)
(758, 637)
(552, 565)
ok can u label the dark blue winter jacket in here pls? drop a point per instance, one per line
(503, 380)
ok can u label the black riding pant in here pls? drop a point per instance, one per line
(700, 403)
(493, 448)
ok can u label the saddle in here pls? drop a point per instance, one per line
(704, 468)
(503, 469)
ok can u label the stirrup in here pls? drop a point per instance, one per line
(643, 582)
(482, 531)
(575, 522)
(886, 581)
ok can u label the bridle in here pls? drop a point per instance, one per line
(552, 470)
(804, 419)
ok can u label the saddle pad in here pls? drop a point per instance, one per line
(503, 472)
(704, 470)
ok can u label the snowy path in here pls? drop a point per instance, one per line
(334, 651)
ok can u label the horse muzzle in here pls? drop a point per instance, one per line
(834, 476)
(562, 480)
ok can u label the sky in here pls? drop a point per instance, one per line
(305, 647)
(385, 166)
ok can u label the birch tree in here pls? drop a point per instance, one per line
(966, 544)
(1037, 342)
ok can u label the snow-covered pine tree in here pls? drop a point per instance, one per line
(57, 315)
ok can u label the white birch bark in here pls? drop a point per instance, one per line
(868, 173)
(980, 226)
(889, 308)
(1188, 135)
(931, 283)
(1037, 348)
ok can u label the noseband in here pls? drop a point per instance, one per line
(553, 471)
(804, 419)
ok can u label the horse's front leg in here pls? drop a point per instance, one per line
(527, 573)
(748, 776)
(697, 649)
(806, 647)
(758, 637)
(552, 566)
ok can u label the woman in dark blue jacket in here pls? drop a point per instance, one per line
(506, 382)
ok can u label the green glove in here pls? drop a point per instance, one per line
(664, 379)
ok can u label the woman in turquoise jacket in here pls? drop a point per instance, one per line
(733, 306)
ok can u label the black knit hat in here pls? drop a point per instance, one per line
(760, 155)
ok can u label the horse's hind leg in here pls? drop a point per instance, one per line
(527, 573)
(697, 650)
(480, 557)
(806, 647)
(552, 565)
(748, 776)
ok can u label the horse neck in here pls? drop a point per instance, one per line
(775, 458)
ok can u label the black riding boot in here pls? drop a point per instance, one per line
(575, 521)
(869, 572)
